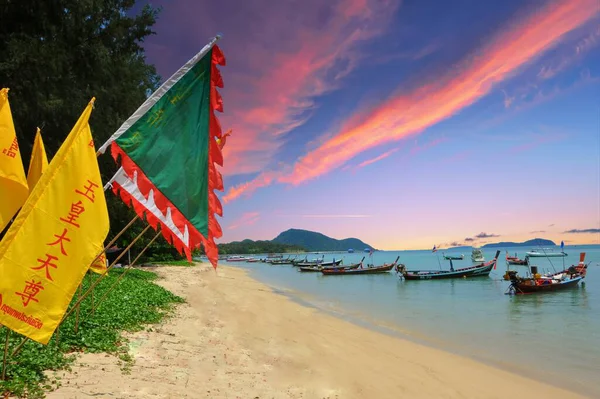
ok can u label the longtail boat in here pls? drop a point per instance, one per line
(545, 254)
(454, 257)
(319, 267)
(514, 260)
(367, 270)
(316, 262)
(480, 270)
(287, 261)
(568, 278)
(296, 262)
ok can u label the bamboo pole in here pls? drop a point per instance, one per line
(122, 275)
(5, 358)
(85, 294)
(78, 310)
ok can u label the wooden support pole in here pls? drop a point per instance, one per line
(122, 275)
(85, 294)
(5, 358)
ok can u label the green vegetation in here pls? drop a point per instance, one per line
(173, 263)
(135, 301)
(314, 241)
(257, 247)
(56, 56)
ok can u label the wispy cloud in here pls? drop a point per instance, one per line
(469, 239)
(428, 145)
(537, 231)
(533, 95)
(573, 55)
(264, 179)
(376, 159)
(293, 54)
(247, 219)
(411, 113)
(537, 140)
(582, 231)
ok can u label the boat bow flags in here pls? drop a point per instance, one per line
(168, 153)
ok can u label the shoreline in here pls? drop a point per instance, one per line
(236, 337)
(362, 320)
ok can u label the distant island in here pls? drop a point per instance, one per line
(536, 242)
(293, 241)
(314, 241)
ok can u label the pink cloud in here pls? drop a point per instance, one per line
(575, 53)
(411, 113)
(276, 69)
(264, 179)
(247, 219)
(376, 159)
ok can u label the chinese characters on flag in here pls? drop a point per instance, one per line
(54, 239)
(12, 173)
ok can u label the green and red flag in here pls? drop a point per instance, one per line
(168, 150)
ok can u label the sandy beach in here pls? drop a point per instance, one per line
(235, 338)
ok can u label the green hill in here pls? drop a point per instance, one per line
(314, 241)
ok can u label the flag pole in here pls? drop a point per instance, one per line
(85, 294)
(5, 358)
(122, 275)
(78, 309)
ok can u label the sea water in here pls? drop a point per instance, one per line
(553, 337)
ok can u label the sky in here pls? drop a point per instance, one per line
(405, 124)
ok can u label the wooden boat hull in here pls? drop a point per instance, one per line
(481, 271)
(368, 270)
(529, 286)
(521, 262)
(319, 268)
(322, 264)
(546, 255)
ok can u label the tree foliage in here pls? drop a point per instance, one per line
(257, 247)
(55, 55)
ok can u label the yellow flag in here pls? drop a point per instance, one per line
(38, 162)
(56, 235)
(13, 184)
(99, 266)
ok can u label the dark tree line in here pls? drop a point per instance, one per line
(257, 247)
(55, 55)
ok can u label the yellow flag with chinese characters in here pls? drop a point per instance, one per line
(54, 238)
(99, 266)
(38, 162)
(13, 184)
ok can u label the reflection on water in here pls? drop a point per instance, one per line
(553, 336)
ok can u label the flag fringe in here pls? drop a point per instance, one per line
(215, 180)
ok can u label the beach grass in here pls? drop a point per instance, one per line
(181, 262)
(131, 306)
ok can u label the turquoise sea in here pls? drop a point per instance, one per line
(553, 337)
